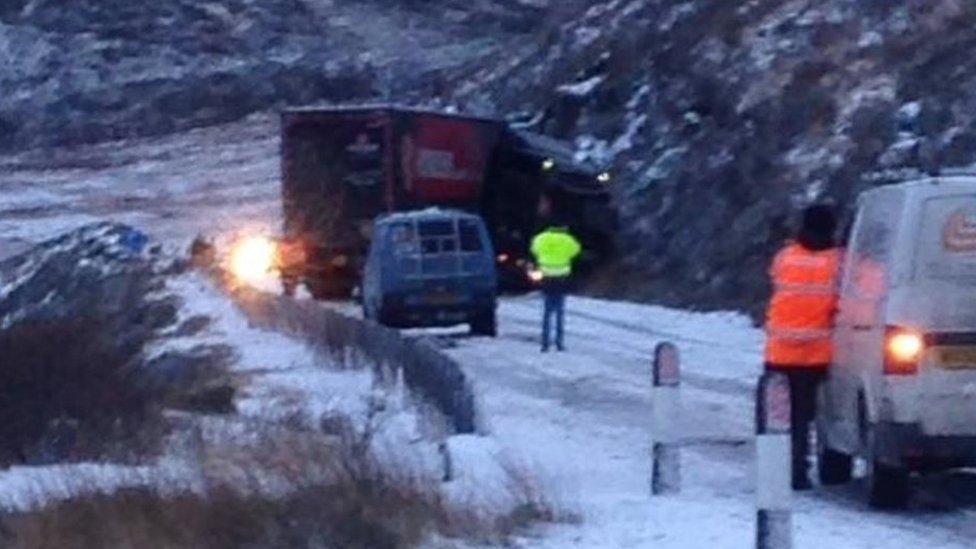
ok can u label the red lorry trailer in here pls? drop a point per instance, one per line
(344, 166)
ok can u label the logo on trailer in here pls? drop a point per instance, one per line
(439, 164)
(959, 234)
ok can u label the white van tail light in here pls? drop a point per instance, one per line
(903, 351)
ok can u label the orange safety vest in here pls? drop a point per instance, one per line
(800, 317)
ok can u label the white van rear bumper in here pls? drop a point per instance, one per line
(904, 445)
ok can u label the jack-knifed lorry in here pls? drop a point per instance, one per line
(343, 167)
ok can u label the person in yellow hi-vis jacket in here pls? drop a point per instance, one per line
(554, 250)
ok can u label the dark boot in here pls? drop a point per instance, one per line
(801, 482)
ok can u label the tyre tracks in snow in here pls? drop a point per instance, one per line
(604, 379)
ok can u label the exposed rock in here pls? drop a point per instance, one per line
(751, 109)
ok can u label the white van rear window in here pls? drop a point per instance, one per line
(867, 264)
(947, 240)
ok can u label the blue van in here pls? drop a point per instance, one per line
(432, 267)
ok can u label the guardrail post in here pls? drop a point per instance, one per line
(774, 516)
(666, 402)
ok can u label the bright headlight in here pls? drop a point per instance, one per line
(252, 258)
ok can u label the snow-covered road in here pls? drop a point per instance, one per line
(582, 419)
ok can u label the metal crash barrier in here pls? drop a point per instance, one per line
(426, 371)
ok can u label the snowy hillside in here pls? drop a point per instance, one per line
(111, 69)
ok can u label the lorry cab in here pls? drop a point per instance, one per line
(901, 392)
(433, 267)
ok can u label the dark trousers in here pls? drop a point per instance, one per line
(804, 383)
(554, 309)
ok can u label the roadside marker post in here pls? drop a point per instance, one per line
(774, 515)
(666, 403)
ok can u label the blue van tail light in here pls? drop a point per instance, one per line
(903, 349)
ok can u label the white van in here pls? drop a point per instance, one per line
(901, 392)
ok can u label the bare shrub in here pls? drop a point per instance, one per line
(495, 518)
(68, 390)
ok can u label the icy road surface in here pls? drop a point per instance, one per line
(581, 417)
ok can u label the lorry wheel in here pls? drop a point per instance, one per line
(485, 324)
(288, 287)
(316, 289)
(887, 486)
(322, 290)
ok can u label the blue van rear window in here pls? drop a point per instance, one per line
(438, 247)
(439, 227)
(404, 239)
(470, 236)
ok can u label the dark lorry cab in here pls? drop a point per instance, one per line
(432, 267)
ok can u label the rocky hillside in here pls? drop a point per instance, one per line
(720, 116)
(723, 116)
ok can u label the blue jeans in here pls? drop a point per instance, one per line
(554, 294)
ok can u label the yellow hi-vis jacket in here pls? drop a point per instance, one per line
(554, 250)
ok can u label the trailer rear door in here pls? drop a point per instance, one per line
(444, 159)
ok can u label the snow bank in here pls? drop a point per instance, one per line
(25, 489)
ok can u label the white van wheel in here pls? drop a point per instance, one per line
(887, 487)
(833, 467)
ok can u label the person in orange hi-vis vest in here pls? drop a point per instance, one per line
(800, 320)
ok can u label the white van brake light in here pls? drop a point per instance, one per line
(903, 351)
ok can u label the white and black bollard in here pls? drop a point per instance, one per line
(666, 402)
(774, 516)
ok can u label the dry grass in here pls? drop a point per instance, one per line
(261, 485)
(76, 389)
(283, 488)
